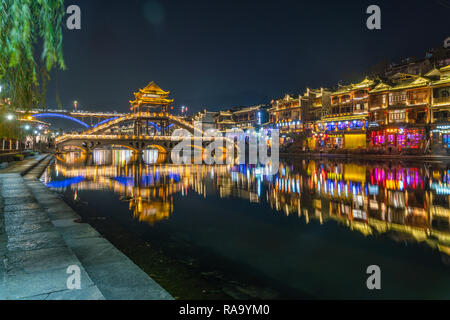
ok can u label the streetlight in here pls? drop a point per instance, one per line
(10, 117)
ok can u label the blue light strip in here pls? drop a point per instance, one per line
(65, 183)
(61, 116)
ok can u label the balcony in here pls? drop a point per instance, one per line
(441, 100)
(417, 101)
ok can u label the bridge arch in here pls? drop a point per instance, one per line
(61, 116)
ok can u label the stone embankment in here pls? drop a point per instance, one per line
(42, 242)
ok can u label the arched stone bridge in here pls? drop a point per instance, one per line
(164, 144)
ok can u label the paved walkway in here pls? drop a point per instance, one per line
(40, 238)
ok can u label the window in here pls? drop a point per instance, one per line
(397, 116)
(397, 97)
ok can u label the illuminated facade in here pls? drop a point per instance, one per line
(251, 117)
(315, 105)
(224, 120)
(286, 114)
(440, 110)
(345, 126)
(151, 99)
(399, 113)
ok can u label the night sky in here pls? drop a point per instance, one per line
(217, 54)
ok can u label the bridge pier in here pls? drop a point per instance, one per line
(138, 156)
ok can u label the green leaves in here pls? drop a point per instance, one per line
(27, 27)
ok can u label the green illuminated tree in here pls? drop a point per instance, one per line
(30, 47)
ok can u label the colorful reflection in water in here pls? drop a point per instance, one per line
(114, 157)
(404, 203)
(411, 200)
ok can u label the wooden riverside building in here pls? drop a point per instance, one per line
(346, 123)
(404, 113)
(399, 113)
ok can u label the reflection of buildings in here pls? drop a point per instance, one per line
(371, 199)
(404, 203)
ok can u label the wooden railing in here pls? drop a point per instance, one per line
(441, 100)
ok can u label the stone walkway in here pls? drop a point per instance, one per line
(40, 238)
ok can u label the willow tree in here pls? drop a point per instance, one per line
(30, 47)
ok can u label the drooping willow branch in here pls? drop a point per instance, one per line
(30, 47)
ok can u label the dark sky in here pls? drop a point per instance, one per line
(218, 54)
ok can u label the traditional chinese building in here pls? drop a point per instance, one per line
(285, 114)
(251, 117)
(224, 120)
(206, 118)
(152, 98)
(346, 123)
(440, 109)
(399, 113)
(315, 104)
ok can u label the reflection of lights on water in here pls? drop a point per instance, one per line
(158, 183)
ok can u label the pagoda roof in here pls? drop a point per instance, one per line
(440, 82)
(366, 83)
(225, 113)
(247, 109)
(418, 82)
(152, 94)
(363, 84)
(446, 68)
(343, 89)
(382, 86)
(433, 73)
(153, 88)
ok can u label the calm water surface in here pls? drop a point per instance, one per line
(309, 231)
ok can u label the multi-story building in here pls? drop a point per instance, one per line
(315, 104)
(251, 117)
(224, 120)
(400, 113)
(440, 109)
(286, 115)
(346, 123)
(206, 118)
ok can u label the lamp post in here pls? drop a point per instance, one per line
(10, 117)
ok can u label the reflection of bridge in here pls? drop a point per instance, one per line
(148, 189)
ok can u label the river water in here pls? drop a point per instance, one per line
(311, 231)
